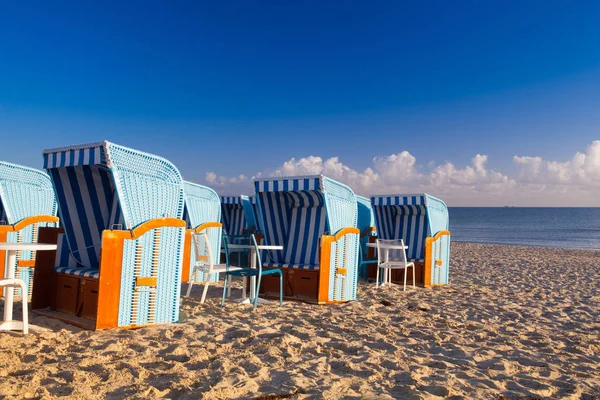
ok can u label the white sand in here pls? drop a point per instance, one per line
(515, 322)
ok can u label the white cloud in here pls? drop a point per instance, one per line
(538, 182)
(583, 168)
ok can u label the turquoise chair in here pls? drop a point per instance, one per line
(247, 272)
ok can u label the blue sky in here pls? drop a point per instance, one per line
(242, 87)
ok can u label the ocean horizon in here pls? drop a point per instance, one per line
(562, 227)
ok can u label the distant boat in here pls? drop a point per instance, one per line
(511, 206)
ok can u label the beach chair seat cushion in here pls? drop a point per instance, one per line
(293, 266)
(82, 272)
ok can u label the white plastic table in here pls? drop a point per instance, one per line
(386, 247)
(245, 299)
(11, 248)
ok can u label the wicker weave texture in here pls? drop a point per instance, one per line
(24, 192)
(202, 205)
(141, 176)
(344, 254)
(152, 256)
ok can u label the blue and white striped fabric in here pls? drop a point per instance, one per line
(289, 184)
(89, 204)
(294, 216)
(232, 215)
(66, 264)
(82, 272)
(257, 214)
(403, 217)
(90, 154)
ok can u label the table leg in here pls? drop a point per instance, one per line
(8, 299)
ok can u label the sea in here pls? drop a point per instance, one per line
(574, 228)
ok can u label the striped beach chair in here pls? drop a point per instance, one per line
(368, 233)
(240, 214)
(202, 212)
(120, 257)
(422, 222)
(314, 218)
(27, 202)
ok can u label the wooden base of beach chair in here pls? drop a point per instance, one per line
(72, 299)
(92, 301)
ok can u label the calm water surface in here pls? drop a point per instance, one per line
(577, 228)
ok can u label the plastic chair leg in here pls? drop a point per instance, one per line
(413, 268)
(25, 310)
(377, 278)
(224, 290)
(405, 273)
(280, 289)
(190, 284)
(256, 291)
(206, 284)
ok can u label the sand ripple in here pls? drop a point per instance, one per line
(515, 322)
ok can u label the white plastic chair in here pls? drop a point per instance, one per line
(398, 261)
(204, 263)
(15, 283)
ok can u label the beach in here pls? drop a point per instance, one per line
(514, 322)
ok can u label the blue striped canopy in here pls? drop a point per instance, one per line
(411, 218)
(24, 192)
(103, 185)
(239, 213)
(297, 211)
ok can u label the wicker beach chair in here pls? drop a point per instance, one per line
(421, 221)
(27, 202)
(120, 256)
(202, 213)
(314, 218)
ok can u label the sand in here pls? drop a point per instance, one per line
(515, 322)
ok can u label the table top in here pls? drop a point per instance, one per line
(387, 246)
(27, 246)
(249, 246)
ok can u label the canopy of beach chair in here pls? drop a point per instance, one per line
(104, 186)
(240, 213)
(414, 218)
(27, 199)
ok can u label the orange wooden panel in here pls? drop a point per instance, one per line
(187, 254)
(324, 262)
(145, 281)
(111, 260)
(206, 225)
(28, 221)
(2, 254)
(26, 263)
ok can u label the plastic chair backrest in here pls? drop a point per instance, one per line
(201, 241)
(394, 255)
